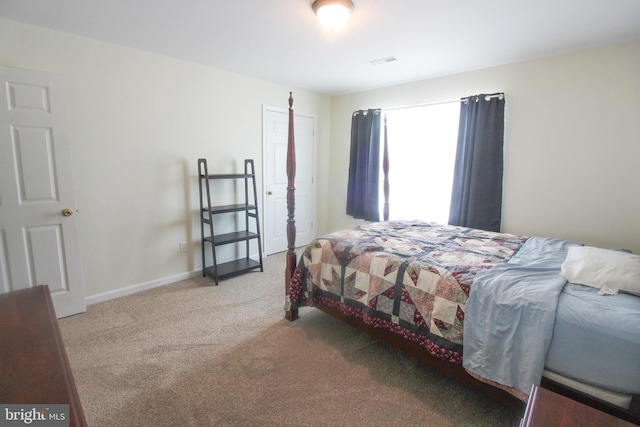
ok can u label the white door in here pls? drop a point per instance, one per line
(39, 241)
(276, 126)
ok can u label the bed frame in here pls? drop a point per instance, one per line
(412, 349)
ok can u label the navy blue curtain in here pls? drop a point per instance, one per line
(364, 166)
(476, 196)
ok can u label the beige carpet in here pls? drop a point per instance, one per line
(193, 354)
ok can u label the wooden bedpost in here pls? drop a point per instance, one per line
(290, 314)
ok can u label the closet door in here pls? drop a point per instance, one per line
(276, 127)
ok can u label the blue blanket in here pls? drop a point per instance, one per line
(510, 314)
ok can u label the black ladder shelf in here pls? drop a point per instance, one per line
(208, 212)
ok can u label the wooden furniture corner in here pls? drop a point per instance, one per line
(547, 409)
(34, 368)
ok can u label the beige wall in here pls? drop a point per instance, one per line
(572, 143)
(138, 122)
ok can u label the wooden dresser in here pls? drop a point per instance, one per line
(34, 368)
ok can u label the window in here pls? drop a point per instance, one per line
(422, 149)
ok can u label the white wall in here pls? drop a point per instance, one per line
(572, 144)
(138, 122)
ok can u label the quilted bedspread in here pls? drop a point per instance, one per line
(412, 278)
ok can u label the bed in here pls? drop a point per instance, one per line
(494, 310)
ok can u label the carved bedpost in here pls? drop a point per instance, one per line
(290, 314)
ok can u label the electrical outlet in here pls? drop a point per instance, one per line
(183, 246)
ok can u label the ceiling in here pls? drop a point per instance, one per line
(281, 41)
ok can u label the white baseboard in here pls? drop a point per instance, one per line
(133, 289)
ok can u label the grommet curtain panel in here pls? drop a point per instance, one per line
(364, 166)
(476, 196)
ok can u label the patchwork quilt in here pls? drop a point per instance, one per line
(412, 278)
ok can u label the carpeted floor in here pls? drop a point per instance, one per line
(193, 354)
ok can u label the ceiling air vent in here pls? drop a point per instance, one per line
(383, 60)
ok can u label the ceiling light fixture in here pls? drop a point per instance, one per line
(332, 14)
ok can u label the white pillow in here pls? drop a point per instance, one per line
(598, 268)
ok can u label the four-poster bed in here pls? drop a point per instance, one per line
(407, 284)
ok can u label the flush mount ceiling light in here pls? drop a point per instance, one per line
(332, 14)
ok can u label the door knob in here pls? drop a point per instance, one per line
(269, 192)
(67, 211)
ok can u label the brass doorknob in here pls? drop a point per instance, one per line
(269, 192)
(67, 211)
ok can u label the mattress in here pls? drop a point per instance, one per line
(584, 318)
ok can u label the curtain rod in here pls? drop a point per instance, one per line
(427, 104)
(450, 101)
